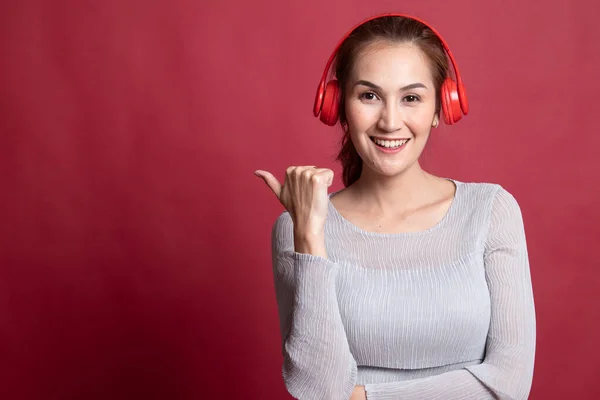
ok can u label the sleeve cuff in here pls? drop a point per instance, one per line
(315, 278)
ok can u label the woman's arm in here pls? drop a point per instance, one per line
(317, 360)
(507, 370)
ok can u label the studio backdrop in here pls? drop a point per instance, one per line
(135, 239)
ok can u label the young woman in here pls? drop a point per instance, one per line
(403, 285)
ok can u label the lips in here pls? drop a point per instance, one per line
(387, 138)
(389, 143)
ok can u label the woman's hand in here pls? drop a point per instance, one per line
(304, 196)
(359, 393)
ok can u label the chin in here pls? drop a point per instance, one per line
(387, 171)
(386, 164)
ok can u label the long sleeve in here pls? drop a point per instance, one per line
(507, 370)
(317, 361)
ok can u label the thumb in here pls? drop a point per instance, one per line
(270, 180)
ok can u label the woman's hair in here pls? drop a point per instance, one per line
(394, 29)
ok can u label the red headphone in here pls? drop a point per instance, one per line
(453, 96)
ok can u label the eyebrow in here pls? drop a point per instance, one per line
(374, 86)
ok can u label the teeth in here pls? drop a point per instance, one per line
(390, 143)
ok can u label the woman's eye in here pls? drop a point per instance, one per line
(369, 96)
(411, 98)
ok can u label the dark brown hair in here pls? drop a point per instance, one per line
(389, 28)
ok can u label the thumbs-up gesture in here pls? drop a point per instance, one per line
(304, 196)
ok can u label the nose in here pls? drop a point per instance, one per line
(391, 118)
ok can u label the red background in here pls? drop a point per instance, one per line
(135, 240)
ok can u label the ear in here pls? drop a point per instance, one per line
(436, 121)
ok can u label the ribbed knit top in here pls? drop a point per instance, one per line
(445, 313)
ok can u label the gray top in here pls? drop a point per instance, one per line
(446, 313)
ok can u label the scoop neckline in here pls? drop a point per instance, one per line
(441, 223)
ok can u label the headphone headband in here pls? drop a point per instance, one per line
(321, 87)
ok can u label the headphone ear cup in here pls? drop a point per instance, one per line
(445, 101)
(451, 102)
(318, 99)
(331, 103)
(462, 95)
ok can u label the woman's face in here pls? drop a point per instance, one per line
(390, 106)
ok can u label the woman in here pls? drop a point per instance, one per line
(403, 285)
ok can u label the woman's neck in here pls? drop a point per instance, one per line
(388, 194)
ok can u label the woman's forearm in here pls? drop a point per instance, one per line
(310, 244)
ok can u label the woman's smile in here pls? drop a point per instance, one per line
(389, 145)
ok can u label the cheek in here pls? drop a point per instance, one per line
(352, 111)
(359, 114)
(420, 120)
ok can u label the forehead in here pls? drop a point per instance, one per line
(390, 64)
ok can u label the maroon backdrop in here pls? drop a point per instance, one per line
(135, 240)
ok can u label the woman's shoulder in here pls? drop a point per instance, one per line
(488, 195)
(482, 189)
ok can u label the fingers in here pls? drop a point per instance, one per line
(271, 181)
(326, 175)
(307, 173)
(310, 173)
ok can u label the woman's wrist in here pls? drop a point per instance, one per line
(313, 244)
